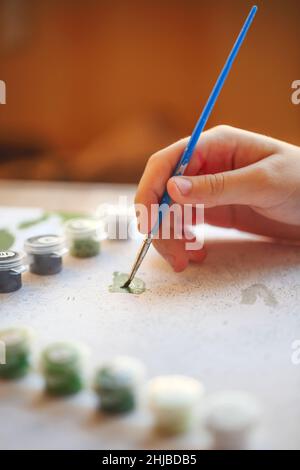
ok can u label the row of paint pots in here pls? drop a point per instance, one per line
(44, 253)
(177, 403)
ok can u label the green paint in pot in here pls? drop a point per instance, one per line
(61, 365)
(83, 236)
(118, 384)
(85, 248)
(17, 362)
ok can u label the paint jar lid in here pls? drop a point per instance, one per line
(16, 338)
(84, 228)
(45, 244)
(63, 356)
(122, 371)
(174, 393)
(11, 261)
(232, 412)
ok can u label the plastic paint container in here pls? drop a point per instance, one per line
(174, 402)
(83, 237)
(45, 254)
(118, 384)
(231, 418)
(62, 367)
(11, 268)
(17, 352)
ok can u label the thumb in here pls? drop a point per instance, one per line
(243, 186)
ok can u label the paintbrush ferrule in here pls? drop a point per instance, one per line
(140, 256)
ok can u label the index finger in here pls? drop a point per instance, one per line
(159, 169)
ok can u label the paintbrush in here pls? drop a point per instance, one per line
(188, 152)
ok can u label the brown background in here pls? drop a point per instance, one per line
(94, 87)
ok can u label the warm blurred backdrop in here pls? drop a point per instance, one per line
(95, 86)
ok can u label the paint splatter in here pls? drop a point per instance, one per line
(7, 240)
(252, 293)
(136, 287)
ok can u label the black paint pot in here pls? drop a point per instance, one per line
(45, 254)
(11, 269)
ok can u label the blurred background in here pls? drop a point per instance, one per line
(94, 87)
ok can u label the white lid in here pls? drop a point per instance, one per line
(80, 228)
(174, 392)
(67, 353)
(232, 411)
(126, 369)
(10, 260)
(60, 354)
(15, 336)
(44, 244)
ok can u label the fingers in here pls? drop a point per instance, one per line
(222, 216)
(153, 182)
(176, 255)
(228, 148)
(249, 185)
(248, 220)
(219, 150)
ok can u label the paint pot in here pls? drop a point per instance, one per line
(62, 367)
(45, 254)
(118, 221)
(15, 357)
(174, 402)
(231, 417)
(83, 237)
(118, 384)
(11, 268)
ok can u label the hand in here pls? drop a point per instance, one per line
(245, 181)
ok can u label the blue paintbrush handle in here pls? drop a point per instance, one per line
(188, 152)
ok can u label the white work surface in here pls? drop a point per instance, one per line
(229, 322)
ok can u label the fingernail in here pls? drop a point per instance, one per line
(170, 259)
(184, 185)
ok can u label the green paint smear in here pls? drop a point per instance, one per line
(7, 240)
(137, 286)
(65, 215)
(31, 222)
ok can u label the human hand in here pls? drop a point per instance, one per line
(245, 180)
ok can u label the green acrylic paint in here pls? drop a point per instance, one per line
(61, 365)
(85, 248)
(137, 286)
(17, 361)
(63, 215)
(118, 384)
(32, 222)
(83, 237)
(7, 240)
